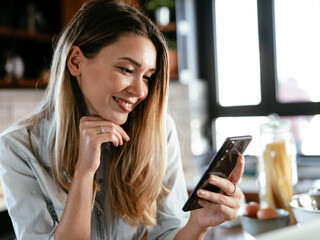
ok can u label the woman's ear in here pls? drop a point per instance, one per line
(74, 61)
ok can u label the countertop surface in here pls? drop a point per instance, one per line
(222, 233)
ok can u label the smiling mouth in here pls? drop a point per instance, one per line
(124, 105)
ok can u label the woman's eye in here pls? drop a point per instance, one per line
(148, 78)
(126, 70)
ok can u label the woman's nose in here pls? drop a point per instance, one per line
(138, 87)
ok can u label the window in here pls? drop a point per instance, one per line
(237, 47)
(297, 35)
(265, 58)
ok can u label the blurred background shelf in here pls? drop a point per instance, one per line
(22, 83)
(171, 27)
(29, 29)
(25, 35)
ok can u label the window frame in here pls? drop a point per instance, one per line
(205, 16)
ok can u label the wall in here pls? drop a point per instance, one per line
(15, 104)
(179, 109)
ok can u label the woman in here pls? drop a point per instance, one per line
(100, 158)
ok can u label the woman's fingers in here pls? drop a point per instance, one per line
(228, 186)
(103, 131)
(221, 207)
(237, 172)
(223, 212)
(230, 199)
(225, 185)
(220, 199)
(99, 122)
(112, 136)
(110, 127)
(224, 205)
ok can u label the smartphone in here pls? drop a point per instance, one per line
(221, 165)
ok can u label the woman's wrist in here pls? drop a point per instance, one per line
(83, 172)
(192, 230)
(194, 225)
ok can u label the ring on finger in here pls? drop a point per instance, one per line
(102, 130)
(234, 190)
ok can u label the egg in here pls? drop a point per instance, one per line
(252, 209)
(267, 213)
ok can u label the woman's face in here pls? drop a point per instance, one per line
(116, 79)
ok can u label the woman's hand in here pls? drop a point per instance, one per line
(219, 207)
(94, 131)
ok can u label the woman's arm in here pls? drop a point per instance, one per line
(76, 219)
(23, 179)
(191, 231)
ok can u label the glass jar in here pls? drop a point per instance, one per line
(277, 165)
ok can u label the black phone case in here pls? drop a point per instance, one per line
(221, 165)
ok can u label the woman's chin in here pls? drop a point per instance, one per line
(119, 120)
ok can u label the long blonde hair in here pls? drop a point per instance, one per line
(137, 169)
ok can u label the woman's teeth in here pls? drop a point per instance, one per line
(128, 105)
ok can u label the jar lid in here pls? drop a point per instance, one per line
(275, 125)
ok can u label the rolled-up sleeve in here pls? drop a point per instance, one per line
(26, 204)
(171, 218)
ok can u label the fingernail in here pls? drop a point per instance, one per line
(212, 178)
(201, 193)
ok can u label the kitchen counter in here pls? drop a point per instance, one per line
(223, 233)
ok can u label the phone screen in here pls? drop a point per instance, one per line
(221, 165)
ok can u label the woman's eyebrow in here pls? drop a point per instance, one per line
(134, 62)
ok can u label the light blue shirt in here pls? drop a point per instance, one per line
(35, 203)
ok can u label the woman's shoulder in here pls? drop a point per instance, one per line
(171, 135)
(17, 140)
(170, 124)
(14, 136)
